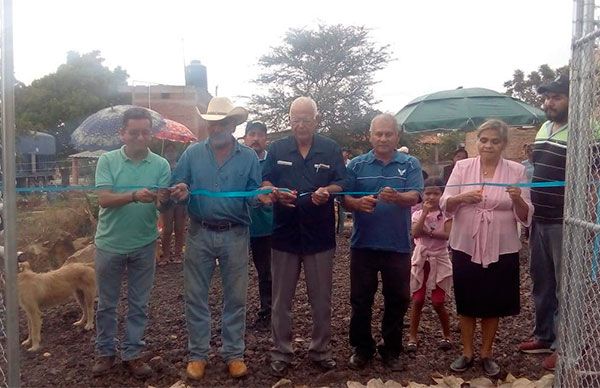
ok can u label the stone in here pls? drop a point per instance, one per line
(482, 382)
(283, 383)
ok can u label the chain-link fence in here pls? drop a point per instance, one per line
(3, 342)
(579, 311)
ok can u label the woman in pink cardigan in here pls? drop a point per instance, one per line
(485, 241)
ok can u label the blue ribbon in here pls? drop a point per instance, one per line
(253, 193)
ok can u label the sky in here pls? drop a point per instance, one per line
(436, 45)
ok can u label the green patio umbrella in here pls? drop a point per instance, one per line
(465, 109)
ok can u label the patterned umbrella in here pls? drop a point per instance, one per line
(174, 131)
(101, 130)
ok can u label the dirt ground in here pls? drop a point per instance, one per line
(72, 350)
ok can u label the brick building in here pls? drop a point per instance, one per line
(177, 102)
(517, 138)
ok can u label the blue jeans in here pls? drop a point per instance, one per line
(140, 275)
(545, 241)
(203, 248)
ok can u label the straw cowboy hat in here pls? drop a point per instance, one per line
(220, 108)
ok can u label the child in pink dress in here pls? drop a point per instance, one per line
(431, 267)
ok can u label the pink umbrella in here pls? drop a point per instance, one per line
(174, 131)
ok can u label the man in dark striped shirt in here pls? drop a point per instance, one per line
(549, 156)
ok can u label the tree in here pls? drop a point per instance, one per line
(356, 136)
(425, 151)
(333, 64)
(526, 88)
(57, 103)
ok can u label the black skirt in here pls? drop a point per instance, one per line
(486, 292)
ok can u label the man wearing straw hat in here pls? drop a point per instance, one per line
(218, 234)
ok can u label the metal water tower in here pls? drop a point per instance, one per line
(195, 75)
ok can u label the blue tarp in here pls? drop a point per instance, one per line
(36, 143)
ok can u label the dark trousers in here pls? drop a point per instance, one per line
(395, 278)
(545, 263)
(260, 248)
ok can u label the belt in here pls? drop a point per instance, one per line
(216, 226)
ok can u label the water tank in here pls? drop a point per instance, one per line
(195, 75)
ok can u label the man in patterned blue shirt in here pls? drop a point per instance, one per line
(381, 240)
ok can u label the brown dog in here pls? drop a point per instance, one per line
(39, 290)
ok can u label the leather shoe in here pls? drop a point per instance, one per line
(138, 368)
(237, 368)
(358, 361)
(262, 322)
(279, 368)
(102, 365)
(326, 364)
(195, 369)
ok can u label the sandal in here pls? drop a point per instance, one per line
(445, 344)
(490, 367)
(411, 347)
(461, 364)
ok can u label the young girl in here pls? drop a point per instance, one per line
(431, 265)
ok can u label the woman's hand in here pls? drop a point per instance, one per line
(514, 193)
(471, 197)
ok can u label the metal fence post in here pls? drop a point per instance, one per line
(10, 208)
(579, 293)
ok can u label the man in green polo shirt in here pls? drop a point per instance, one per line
(126, 239)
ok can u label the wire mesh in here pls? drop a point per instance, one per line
(3, 337)
(579, 298)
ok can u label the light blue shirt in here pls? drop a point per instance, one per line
(262, 217)
(198, 168)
